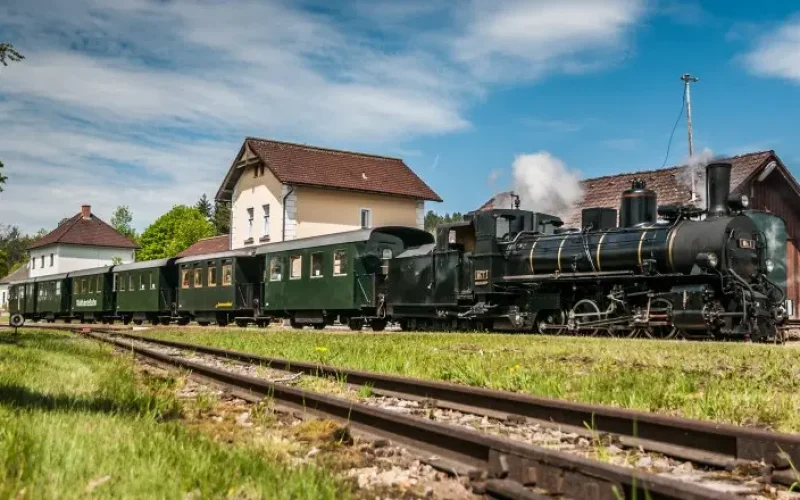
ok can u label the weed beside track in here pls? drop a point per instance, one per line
(745, 384)
(76, 421)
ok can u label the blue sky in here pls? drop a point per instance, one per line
(146, 103)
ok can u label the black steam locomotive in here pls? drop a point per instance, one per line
(665, 272)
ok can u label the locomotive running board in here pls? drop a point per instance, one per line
(529, 277)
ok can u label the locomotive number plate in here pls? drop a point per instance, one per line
(481, 276)
(745, 243)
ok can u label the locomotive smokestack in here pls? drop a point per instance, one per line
(718, 188)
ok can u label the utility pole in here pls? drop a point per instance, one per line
(687, 79)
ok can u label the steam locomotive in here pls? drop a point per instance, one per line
(664, 272)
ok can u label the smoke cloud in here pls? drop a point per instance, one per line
(544, 184)
(695, 168)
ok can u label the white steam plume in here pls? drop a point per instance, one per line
(544, 184)
(695, 168)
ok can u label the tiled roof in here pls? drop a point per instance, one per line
(330, 168)
(20, 274)
(213, 244)
(668, 183)
(89, 231)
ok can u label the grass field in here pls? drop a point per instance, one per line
(736, 383)
(78, 421)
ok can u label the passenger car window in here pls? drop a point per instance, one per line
(339, 262)
(316, 265)
(130, 284)
(227, 274)
(153, 280)
(122, 283)
(185, 278)
(212, 274)
(295, 267)
(275, 269)
(198, 277)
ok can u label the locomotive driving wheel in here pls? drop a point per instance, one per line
(551, 321)
(587, 311)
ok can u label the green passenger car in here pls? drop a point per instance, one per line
(145, 291)
(313, 280)
(220, 288)
(53, 297)
(92, 295)
(22, 298)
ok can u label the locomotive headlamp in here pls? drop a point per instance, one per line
(770, 265)
(708, 260)
(739, 203)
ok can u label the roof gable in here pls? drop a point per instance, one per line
(214, 244)
(87, 231)
(21, 273)
(328, 168)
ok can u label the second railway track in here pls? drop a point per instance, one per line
(514, 469)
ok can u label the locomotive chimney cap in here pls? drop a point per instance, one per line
(638, 184)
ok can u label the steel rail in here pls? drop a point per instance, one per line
(509, 468)
(709, 443)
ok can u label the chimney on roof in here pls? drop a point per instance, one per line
(86, 211)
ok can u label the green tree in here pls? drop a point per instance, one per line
(5, 266)
(173, 232)
(205, 207)
(432, 219)
(9, 53)
(122, 219)
(3, 178)
(222, 217)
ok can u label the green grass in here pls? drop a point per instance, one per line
(78, 421)
(746, 384)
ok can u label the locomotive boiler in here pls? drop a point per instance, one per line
(661, 272)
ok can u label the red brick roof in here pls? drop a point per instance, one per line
(668, 184)
(204, 246)
(89, 231)
(330, 168)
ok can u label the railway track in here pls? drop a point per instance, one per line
(502, 466)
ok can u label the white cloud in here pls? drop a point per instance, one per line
(144, 102)
(777, 54)
(528, 38)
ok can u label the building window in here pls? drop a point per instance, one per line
(366, 218)
(275, 269)
(266, 220)
(339, 262)
(316, 265)
(227, 275)
(52, 259)
(249, 222)
(42, 261)
(185, 278)
(198, 277)
(295, 267)
(258, 170)
(212, 274)
(33, 262)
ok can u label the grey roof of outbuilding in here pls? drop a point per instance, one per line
(218, 255)
(90, 272)
(317, 241)
(20, 274)
(145, 264)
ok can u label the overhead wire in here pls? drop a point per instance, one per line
(672, 134)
